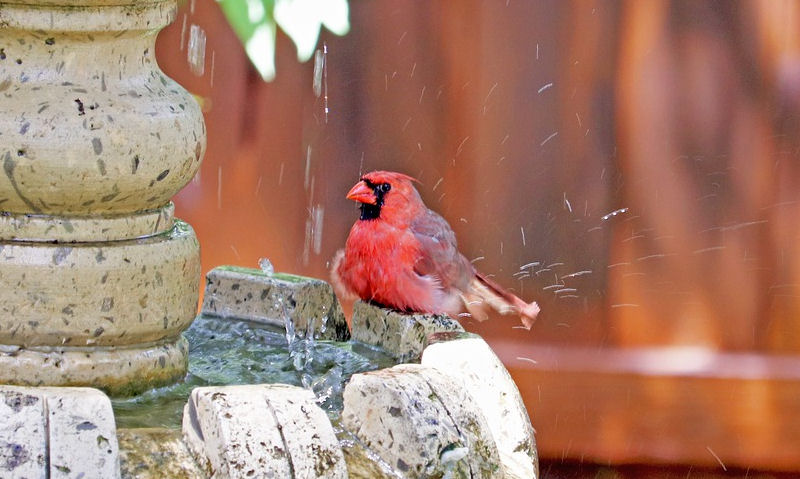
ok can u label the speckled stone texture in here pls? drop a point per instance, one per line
(156, 453)
(23, 433)
(94, 141)
(121, 371)
(64, 229)
(57, 433)
(251, 294)
(120, 293)
(261, 431)
(102, 314)
(402, 335)
(362, 462)
(421, 423)
(468, 360)
(90, 124)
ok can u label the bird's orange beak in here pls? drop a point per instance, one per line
(362, 193)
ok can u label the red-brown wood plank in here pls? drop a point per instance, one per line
(660, 405)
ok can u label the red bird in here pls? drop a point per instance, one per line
(403, 256)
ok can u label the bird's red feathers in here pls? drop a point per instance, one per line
(404, 256)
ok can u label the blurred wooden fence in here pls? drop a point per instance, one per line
(631, 165)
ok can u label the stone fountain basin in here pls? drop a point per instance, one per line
(276, 389)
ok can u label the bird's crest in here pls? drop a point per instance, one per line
(382, 176)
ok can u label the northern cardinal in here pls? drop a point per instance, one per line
(403, 256)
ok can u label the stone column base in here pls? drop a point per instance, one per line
(103, 314)
(118, 371)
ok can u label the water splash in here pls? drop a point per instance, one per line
(183, 31)
(323, 322)
(321, 77)
(313, 236)
(266, 266)
(328, 385)
(196, 53)
(289, 330)
(614, 213)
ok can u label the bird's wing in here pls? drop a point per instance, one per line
(439, 256)
(340, 286)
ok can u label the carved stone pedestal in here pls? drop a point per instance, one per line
(97, 278)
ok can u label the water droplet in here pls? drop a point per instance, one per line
(266, 266)
(319, 65)
(196, 54)
(321, 77)
(614, 213)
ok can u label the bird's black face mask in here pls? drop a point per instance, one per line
(371, 212)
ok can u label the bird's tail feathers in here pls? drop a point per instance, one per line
(485, 292)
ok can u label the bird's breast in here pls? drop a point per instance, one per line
(379, 266)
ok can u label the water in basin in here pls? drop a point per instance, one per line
(225, 351)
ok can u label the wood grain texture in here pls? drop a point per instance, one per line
(660, 405)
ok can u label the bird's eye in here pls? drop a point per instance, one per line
(385, 187)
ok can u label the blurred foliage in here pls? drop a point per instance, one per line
(256, 23)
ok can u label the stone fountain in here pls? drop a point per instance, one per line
(98, 280)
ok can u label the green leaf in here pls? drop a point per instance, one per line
(256, 21)
(254, 24)
(303, 19)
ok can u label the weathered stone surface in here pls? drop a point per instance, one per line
(261, 431)
(402, 335)
(307, 433)
(57, 433)
(82, 433)
(364, 463)
(421, 423)
(27, 227)
(23, 434)
(251, 294)
(118, 371)
(95, 142)
(232, 433)
(90, 123)
(471, 362)
(85, 294)
(156, 453)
